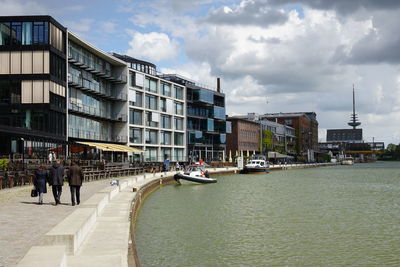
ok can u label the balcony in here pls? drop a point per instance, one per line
(95, 88)
(96, 113)
(76, 58)
(91, 135)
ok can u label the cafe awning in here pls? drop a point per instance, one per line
(112, 147)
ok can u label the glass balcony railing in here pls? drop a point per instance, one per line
(96, 88)
(83, 134)
(97, 112)
(89, 63)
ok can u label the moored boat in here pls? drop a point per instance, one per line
(195, 173)
(257, 164)
(348, 161)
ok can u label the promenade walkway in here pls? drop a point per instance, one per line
(23, 223)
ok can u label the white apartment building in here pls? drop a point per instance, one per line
(157, 113)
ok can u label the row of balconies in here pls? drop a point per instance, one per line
(94, 88)
(96, 136)
(97, 112)
(76, 58)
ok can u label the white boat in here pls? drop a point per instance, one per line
(257, 164)
(347, 161)
(194, 173)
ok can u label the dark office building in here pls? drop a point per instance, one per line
(32, 84)
(206, 120)
(344, 135)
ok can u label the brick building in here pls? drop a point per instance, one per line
(306, 130)
(245, 136)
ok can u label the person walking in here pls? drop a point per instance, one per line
(40, 180)
(75, 179)
(56, 180)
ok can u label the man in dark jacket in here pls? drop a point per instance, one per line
(75, 178)
(56, 180)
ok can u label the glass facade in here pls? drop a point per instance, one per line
(10, 92)
(24, 33)
(219, 112)
(86, 128)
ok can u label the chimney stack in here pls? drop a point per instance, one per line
(218, 85)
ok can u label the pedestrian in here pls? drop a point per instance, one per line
(177, 166)
(40, 180)
(50, 157)
(53, 155)
(166, 164)
(75, 179)
(56, 180)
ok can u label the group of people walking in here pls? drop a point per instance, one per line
(55, 178)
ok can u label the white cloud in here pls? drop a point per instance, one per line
(80, 26)
(152, 46)
(109, 27)
(14, 8)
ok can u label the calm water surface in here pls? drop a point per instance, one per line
(330, 216)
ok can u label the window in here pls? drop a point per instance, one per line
(165, 153)
(166, 121)
(219, 112)
(178, 108)
(16, 33)
(163, 104)
(10, 92)
(178, 92)
(179, 154)
(135, 135)
(5, 33)
(57, 66)
(132, 81)
(152, 119)
(27, 33)
(135, 117)
(210, 125)
(150, 85)
(151, 154)
(151, 137)
(178, 123)
(151, 102)
(165, 138)
(165, 89)
(178, 139)
(40, 32)
(138, 100)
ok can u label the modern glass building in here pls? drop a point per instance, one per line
(97, 90)
(157, 113)
(206, 120)
(33, 92)
(56, 89)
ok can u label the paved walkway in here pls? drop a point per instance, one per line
(23, 222)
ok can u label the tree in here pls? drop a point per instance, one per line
(267, 139)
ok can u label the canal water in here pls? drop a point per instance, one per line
(328, 216)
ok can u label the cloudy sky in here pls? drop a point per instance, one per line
(272, 55)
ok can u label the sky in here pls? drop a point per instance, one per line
(271, 55)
